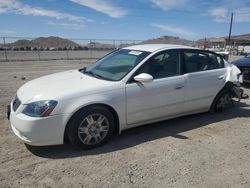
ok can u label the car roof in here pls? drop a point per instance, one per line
(155, 47)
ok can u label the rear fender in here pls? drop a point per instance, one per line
(234, 90)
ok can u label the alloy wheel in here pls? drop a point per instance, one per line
(93, 129)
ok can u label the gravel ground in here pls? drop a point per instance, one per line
(202, 150)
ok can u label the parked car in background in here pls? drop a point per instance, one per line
(129, 87)
(244, 65)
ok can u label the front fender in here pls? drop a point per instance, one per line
(114, 99)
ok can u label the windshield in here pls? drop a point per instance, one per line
(116, 65)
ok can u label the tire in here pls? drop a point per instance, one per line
(91, 127)
(222, 101)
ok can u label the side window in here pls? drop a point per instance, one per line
(220, 61)
(163, 64)
(196, 61)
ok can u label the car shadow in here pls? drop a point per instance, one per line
(146, 133)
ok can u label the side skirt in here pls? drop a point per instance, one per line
(164, 118)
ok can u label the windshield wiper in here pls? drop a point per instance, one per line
(82, 69)
(93, 74)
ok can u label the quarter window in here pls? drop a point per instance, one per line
(163, 64)
(220, 61)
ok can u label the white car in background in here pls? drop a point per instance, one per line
(129, 87)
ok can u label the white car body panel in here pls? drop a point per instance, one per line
(134, 103)
(63, 86)
(202, 87)
(157, 47)
(153, 100)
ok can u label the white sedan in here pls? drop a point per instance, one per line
(129, 87)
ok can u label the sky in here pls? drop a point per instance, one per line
(123, 19)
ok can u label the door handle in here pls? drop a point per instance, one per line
(221, 77)
(179, 87)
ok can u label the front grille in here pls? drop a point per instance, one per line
(16, 103)
(246, 77)
(245, 70)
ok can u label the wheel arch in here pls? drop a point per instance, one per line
(108, 107)
(228, 86)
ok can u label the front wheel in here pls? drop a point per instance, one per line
(91, 127)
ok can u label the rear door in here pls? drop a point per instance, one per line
(205, 74)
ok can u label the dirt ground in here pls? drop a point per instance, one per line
(203, 150)
(49, 55)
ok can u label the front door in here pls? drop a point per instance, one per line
(161, 98)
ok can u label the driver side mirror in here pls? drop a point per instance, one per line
(143, 77)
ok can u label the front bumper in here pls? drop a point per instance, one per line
(38, 131)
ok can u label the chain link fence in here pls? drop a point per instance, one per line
(54, 48)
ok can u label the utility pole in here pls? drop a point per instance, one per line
(205, 43)
(230, 29)
(5, 49)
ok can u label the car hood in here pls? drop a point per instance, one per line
(244, 62)
(62, 86)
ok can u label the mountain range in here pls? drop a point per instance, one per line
(57, 42)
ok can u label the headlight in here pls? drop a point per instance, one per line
(40, 108)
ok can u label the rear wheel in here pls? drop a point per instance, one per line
(91, 127)
(223, 101)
